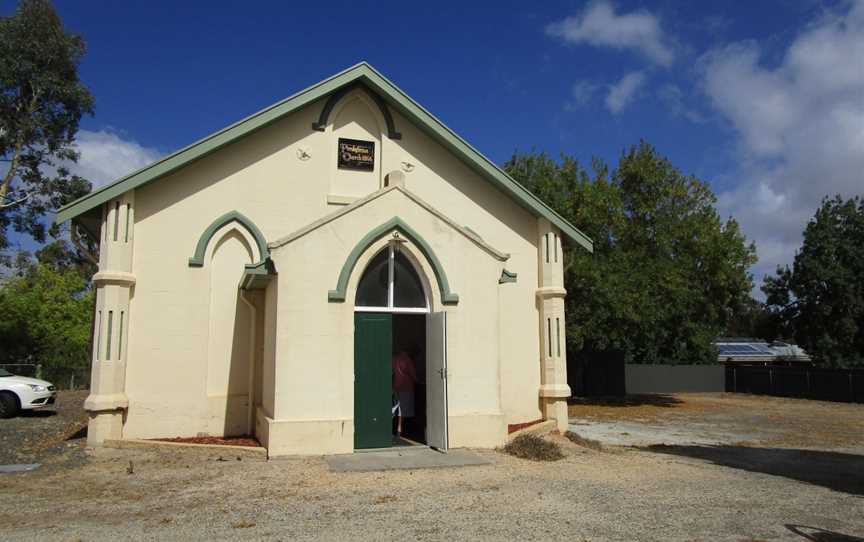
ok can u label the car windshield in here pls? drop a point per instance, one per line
(4, 372)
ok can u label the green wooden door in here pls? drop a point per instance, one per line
(373, 385)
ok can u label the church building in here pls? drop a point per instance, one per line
(338, 271)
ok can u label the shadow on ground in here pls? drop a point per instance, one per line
(37, 413)
(654, 399)
(79, 434)
(821, 535)
(834, 470)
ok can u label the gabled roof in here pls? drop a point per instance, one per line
(361, 73)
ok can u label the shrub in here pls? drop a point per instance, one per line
(530, 446)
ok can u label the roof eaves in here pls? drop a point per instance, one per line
(209, 144)
(377, 82)
(484, 165)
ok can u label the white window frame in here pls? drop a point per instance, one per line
(391, 265)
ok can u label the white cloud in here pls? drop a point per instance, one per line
(624, 91)
(800, 129)
(600, 26)
(582, 93)
(106, 157)
(675, 100)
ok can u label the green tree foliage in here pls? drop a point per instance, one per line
(754, 319)
(47, 313)
(667, 274)
(41, 104)
(820, 300)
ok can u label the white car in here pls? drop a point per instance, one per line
(23, 393)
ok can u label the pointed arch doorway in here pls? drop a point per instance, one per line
(400, 356)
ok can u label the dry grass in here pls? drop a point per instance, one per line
(530, 446)
(643, 407)
(773, 421)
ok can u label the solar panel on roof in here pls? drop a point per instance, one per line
(743, 349)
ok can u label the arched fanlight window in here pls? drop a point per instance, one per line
(390, 283)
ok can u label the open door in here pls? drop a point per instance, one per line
(436, 381)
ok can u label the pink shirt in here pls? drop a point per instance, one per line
(404, 373)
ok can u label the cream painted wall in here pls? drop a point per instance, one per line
(280, 177)
(314, 345)
(228, 353)
(354, 118)
(449, 185)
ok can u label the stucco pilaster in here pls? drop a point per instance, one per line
(554, 390)
(113, 284)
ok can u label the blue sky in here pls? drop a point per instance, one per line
(764, 99)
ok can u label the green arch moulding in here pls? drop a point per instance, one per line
(324, 117)
(197, 259)
(396, 223)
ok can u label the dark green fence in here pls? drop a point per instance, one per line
(596, 373)
(846, 385)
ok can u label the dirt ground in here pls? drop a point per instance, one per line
(721, 418)
(687, 493)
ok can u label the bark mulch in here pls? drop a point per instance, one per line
(222, 441)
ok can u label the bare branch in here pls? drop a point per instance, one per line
(16, 202)
(75, 236)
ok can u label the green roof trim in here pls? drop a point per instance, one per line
(361, 73)
(395, 223)
(507, 276)
(197, 259)
(256, 276)
(324, 117)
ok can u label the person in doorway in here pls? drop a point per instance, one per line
(404, 381)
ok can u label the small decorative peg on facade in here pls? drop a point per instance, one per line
(407, 167)
(303, 153)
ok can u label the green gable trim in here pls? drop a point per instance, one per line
(361, 73)
(324, 117)
(507, 276)
(395, 223)
(197, 259)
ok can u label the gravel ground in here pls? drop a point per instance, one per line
(669, 493)
(40, 436)
(589, 496)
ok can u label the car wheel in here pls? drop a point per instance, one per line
(8, 405)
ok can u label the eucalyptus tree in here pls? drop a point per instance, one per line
(819, 301)
(42, 101)
(667, 275)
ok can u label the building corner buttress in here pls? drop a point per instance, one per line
(107, 403)
(554, 390)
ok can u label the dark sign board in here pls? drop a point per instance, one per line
(356, 154)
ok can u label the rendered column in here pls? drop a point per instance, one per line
(107, 402)
(554, 390)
